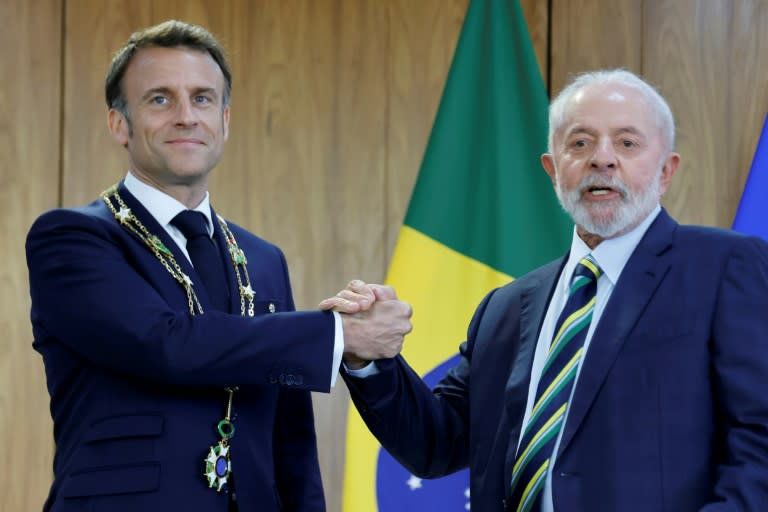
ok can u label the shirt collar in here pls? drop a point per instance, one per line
(611, 254)
(162, 206)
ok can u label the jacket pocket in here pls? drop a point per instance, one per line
(121, 427)
(105, 480)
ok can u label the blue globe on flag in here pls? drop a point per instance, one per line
(397, 490)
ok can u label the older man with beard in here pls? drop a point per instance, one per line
(629, 375)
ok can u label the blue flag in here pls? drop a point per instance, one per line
(752, 214)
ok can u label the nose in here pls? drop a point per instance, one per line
(185, 113)
(604, 156)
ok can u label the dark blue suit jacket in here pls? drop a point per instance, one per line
(670, 412)
(136, 382)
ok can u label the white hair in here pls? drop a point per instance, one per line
(557, 109)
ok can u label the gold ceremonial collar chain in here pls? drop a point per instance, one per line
(218, 466)
(129, 221)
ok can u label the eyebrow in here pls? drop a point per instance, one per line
(578, 130)
(155, 90)
(168, 92)
(629, 129)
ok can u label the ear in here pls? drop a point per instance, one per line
(118, 127)
(225, 116)
(548, 163)
(668, 170)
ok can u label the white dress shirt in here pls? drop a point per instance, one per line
(164, 208)
(611, 255)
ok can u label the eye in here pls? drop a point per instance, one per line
(158, 100)
(201, 99)
(581, 143)
(628, 143)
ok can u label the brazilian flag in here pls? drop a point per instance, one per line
(482, 212)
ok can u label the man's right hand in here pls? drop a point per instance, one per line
(375, 322)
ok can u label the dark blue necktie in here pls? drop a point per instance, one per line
(205, 256)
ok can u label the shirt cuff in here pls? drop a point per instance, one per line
(338, 346)
(368, 370)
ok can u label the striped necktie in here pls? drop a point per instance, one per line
(554, 389)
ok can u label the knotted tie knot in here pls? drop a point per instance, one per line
(192, 224)
(205, 257)
(586, 271)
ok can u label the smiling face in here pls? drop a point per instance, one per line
(177, 122)
(609, 163)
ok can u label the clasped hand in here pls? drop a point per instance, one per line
(375, 322)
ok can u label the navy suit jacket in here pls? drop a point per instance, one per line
(670, 412)
(137, 382)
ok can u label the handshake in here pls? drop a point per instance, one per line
(374, 321)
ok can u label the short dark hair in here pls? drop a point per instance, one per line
(168, 34)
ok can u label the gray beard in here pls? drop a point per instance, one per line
(633, 209)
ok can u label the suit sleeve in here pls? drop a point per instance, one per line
(90, 298)
(740, 366)
(425, 430)
(297, 469)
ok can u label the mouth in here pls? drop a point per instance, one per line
(601, 193)
(186, 142)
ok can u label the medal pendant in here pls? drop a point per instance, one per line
(218, 467)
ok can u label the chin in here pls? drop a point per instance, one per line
(189, 173)
(598, 221)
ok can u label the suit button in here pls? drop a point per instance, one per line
(289, 381)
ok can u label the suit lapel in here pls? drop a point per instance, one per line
(156, 229)
(639, 280)
(221, 242)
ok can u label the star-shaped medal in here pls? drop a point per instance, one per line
(218, 467)
(248, 291)
(124, 214)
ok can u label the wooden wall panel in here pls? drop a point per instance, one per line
(708, 58)
(30, 43)
(537, 18)
(592, 34)
(94, 31)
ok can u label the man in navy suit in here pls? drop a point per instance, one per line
(669, 410)
(175, 363)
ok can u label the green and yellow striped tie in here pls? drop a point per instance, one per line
(554, 389)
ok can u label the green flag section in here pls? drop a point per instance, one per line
(482, 212)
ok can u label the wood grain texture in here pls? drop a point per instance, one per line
(537, 18)
(593, 34)
(708, 58)
(94, 31)
(29, 177)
